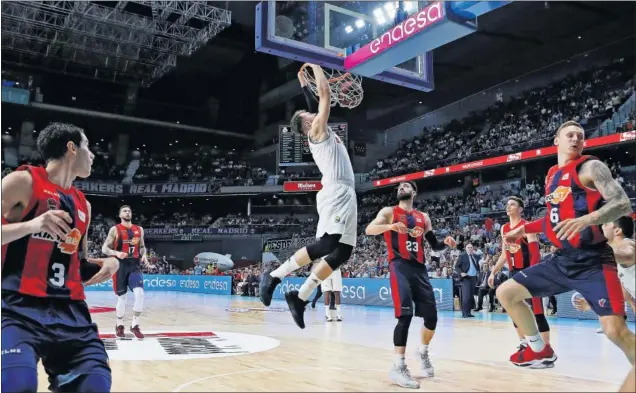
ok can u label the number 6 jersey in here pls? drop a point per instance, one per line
(566, 197)
(38, 265)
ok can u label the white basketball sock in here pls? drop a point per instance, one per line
(338, 311)
(536, 343)
(287, 267)
(308, 286)
(398, 360)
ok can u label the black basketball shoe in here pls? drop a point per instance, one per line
(297, 307)
(267, 287)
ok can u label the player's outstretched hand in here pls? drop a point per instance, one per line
(450, 242)
(581, 304)
(109, 267)
(54, 222)
(567, 229)
(399, 227)
(302, 79)
(121, 255)
(515, 234)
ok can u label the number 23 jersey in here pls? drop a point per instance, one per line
(38, 265)
(566, 198)
(407, 246)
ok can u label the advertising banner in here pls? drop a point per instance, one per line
(295, 243)
(565, 303)
(488, 162)
(148, 189)
(194, 234)
(302, 186)
(213, 285)
(372, 291)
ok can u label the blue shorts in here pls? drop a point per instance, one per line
(410, 285)
(592, 273)
(59, 332)
(128, 276)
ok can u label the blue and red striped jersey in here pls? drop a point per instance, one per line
(128, 239)
(566, 197)
(407, 246)
(517, 252)
(37, 265)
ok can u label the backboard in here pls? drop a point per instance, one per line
(391, 41)
(321, 31)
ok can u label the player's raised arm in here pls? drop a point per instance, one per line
(595, 174)
(432, 239)
(382, 223)
(16, 192)
(318, 130)
(108, 243)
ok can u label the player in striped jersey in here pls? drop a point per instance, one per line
(521, 254)
(126, 242)
(405, 229)
(45, 317)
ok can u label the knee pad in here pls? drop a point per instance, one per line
(542, 323)
(401, 331)
(120, 308)
(139, 299)
(339, 256)
(92, 383)
(430, 322)
(323, 247)
(19, 380)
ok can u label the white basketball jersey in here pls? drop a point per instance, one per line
(627, 276)
(332, 160)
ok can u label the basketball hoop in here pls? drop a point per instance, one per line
(346, 88)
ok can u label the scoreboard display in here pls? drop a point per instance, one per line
(293, 149)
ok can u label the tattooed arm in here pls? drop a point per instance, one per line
(142, 247)
(596, 175)
(110, 240)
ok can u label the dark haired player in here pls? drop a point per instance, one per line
(336, 204)
(580, 195)
(126, 242)
(405, 229)
(44, 261)
(521, 254)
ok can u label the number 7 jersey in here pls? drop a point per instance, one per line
(37, 264)
(566, 197)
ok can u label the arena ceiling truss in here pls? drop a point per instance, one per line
(124, 41)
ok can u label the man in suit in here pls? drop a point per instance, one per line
(467, 267)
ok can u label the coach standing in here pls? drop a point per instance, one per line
(467, 269)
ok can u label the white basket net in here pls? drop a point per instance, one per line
(346, 88)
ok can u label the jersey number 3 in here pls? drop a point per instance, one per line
(58, 275)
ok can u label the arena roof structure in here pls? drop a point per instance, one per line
(122, 41)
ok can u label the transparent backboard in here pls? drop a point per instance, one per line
(337, 25)
(320, 32)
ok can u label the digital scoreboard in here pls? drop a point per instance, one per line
(293, 149)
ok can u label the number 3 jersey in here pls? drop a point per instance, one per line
(410, 245)
(566, 197)
(38, 265)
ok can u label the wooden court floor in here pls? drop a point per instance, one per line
(208, 343)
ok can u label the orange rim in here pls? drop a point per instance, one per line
(331, 80)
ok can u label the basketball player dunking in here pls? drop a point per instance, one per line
(126, 242)
(336, 204)
(521, 254)
(619, 236)
(44, 261)
(575, 190)
(405, 229)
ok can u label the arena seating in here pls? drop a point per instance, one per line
(520, 124)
